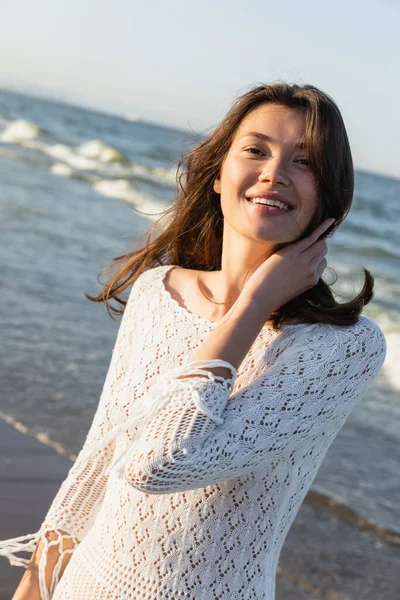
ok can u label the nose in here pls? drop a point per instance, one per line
(274, 171)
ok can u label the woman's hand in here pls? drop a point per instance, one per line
(288, 272)
(280, 278)
(28, 588)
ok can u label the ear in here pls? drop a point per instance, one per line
(217, 185)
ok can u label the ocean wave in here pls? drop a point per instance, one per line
(122, 190)
(19, 131)
(42, 437)
(364, 228)
(391, 365)
(94, 156)
(365, 244)
(102, 152)
(160, 175)
(84, 159)
(383, 310)
(389, 322)
(65, 154)
(64, 170)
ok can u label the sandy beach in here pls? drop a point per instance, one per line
(30, 475)
(324, 557)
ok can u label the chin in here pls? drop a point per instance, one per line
(271, 237)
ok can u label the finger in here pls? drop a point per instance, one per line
(318, 249)
(320, 268)
(316, 234)
(320, 230)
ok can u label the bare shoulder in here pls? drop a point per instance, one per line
(179, 283)
(178, 277)
(182, 285)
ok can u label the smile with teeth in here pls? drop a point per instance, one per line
(267, 202)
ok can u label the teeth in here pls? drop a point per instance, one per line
(269, 203)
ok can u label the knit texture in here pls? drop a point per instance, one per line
(186, 488)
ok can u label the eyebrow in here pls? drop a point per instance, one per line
(267, 138)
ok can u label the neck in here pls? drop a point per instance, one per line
(240, 258)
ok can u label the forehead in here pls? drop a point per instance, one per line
(275, 121)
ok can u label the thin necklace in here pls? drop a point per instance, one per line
(209, 299)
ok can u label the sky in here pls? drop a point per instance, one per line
(183, 63)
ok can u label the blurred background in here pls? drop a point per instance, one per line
(98, 101)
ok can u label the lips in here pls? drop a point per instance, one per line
(272, 196)
(266, 209)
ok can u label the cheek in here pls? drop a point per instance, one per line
(235, 175)
(309, 192)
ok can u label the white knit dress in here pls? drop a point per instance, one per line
(186, 488)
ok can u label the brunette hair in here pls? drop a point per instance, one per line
(192, 234)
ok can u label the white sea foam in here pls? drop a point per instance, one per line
(389, 322)
(19, 131)
(94, 155)
(391, 365)
(62, 169)
(122, 189)
(382, 311)
(78, 161)
(155, 174)
(106, 162)
(103, 152)
(64, 153)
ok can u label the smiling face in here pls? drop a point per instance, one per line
(266, 162)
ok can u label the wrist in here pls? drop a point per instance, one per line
(234, 335)
(248, 312)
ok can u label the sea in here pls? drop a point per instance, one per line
(79, 187)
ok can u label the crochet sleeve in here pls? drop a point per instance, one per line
(202, 434)
(78, 501)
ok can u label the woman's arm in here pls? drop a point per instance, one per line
(78, 501)
(60, 553)
(289, 409)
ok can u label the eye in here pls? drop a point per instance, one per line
(253, 150)
(303, 161)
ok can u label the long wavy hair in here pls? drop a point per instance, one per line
(189, 232)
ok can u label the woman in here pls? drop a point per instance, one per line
(233, 371)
